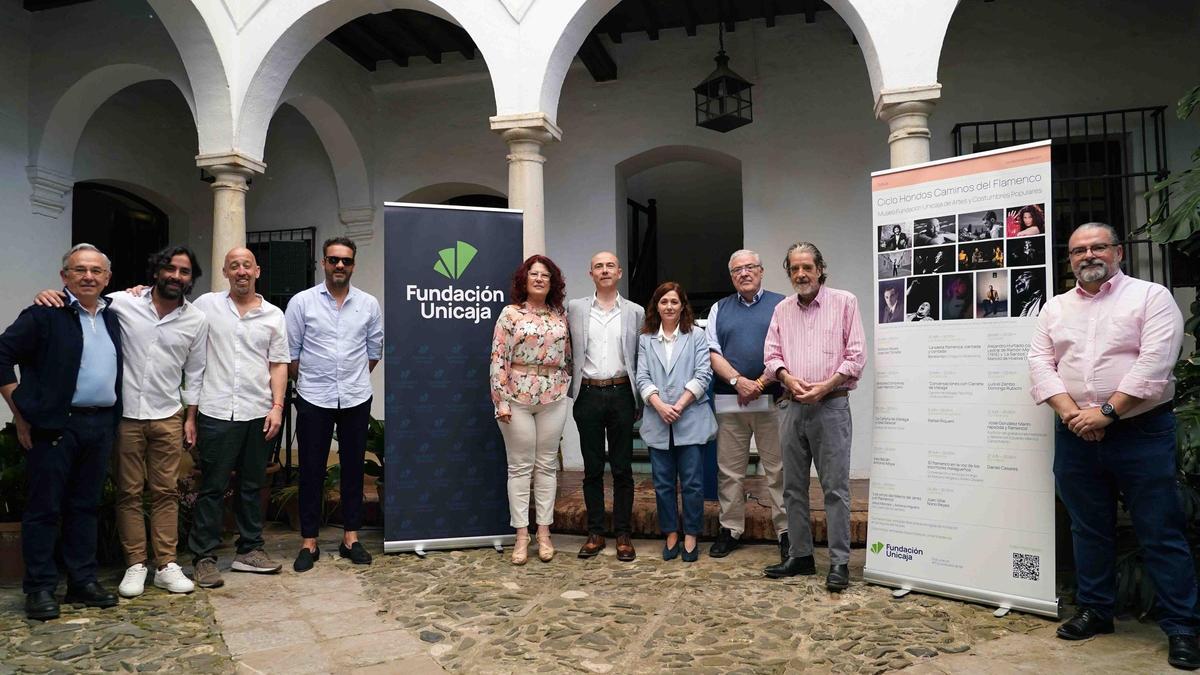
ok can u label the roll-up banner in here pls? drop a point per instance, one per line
(448, 272)
(962, 491)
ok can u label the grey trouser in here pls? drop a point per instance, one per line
(733, 454)
(817, 433)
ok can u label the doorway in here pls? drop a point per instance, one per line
(126, 227)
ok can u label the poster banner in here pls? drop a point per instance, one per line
(448, 274)
(962, 491)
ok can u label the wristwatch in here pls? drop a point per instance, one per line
(1108, 411)
(733, 380)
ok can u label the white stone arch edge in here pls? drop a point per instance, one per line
(52, 158)
(437, 193)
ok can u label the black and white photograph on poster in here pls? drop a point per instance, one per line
(980, 225)
(896, 264)
(1028, 291)
(935, 231)
(921, 299)
(980, 255)
(1026, 221)
(991, 294)
(1027, 251)
(891, 301)
(958, 296)
(933, 260)
(895, 237)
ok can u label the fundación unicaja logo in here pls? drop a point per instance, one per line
(877, 547)
(452, 262)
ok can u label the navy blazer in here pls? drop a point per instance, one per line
(696, 425)
(47, 343)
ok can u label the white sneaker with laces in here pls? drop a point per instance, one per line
(134, 582)
(173, 579)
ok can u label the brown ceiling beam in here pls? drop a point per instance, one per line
(39, 5)
(689, 17)
(338, 39)
(430, 50)
(768, 11)
(597, 59)
(652, 22)
(461, 40)
(361, 31)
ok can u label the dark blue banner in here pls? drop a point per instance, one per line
(448, 273)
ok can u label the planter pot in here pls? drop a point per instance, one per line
(12, 565)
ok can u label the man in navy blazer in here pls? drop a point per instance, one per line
(65, 408)
(604, 329)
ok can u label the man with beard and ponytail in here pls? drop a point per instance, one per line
(163, 342)
(1101, 356)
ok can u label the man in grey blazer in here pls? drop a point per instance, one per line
(604, 330)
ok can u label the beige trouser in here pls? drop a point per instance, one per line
(531, 440)
(733, 454)
(146, 457)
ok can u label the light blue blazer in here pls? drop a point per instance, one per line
(697, 424)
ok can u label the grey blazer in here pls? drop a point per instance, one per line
(697, 424)
(578, 320)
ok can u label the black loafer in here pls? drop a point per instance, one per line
(1183, 652)
(90, 594)
(356, 553)
(785, 547)
(791, 567)
(692, 555)
(305, 559)
(41, 606)
(725, 544)
(838, 578)
(1086, 623)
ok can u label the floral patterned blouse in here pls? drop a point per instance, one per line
(529, 337)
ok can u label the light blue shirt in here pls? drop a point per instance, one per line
(96, 384)
(334, 345)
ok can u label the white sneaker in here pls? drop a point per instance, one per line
(134, 582)
(173, 579)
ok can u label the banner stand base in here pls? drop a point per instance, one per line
(1044, 608)
(421, 546)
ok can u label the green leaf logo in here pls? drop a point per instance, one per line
(452, 262)
(877, 547)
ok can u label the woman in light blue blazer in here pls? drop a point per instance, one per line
(673, 372)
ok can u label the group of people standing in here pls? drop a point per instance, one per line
(783, 366)
(136, 376)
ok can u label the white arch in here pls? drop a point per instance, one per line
(345, 156)
(665, 154)
(440, 192)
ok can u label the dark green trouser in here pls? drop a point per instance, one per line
(229, 446)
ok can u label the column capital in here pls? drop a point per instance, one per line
(889, 99)
(359, 222)
(526, 126)
(50, 188)
(231, 161)
(906, 112)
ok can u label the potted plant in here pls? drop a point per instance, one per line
(376, 447)
(12, 504)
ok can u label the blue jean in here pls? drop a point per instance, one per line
(1136, 458)
(684, 462)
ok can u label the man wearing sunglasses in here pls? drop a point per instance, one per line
(335, 334)
(1101, 357)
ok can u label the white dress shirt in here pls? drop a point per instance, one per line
(334, 345)
(237, 376)
(669, 341)
(164, 357)
(602, 357)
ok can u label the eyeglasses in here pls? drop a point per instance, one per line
(334, 260)
(539, 275)
(1096, 249)
(744, 268)
(80, 271)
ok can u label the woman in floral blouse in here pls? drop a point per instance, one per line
(531, 372)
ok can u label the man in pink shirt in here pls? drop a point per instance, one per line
(814, 347)
(1101, 357)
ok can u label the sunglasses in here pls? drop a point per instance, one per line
(334, 260)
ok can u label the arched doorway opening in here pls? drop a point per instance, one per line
(128, 228)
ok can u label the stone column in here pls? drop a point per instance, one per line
(525, 135)
(907, 113)
(230, 172)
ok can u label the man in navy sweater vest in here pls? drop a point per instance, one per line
(737, 328)
(65, 408)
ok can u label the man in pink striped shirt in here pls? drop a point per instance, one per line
(814, 347)
(1101, 357)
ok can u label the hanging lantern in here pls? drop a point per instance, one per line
(723, 98)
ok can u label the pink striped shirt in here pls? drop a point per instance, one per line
(813, 342)
(1124, 338)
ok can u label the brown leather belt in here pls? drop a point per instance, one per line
(610, 382)
(531, 369)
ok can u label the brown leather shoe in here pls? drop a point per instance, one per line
(625, 552)
(591, 547)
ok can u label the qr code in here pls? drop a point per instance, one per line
(1026, 566)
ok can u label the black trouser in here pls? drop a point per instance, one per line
(599, 412)
(314, 427)
(225, 446)
(66, 472)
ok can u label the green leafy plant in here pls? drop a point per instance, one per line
(372, 466)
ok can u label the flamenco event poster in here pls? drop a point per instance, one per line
(962, 491)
